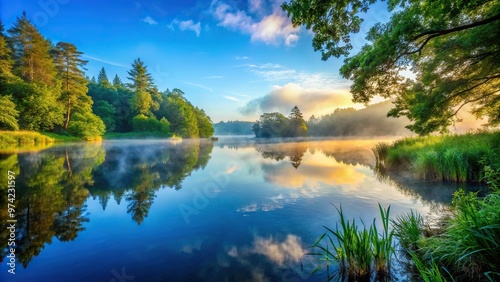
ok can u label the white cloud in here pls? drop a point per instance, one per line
(190, 25)
(237, 58)
(279, 74)
(232, 98)
(309, 100)
(237, 94)
(213, 77)
(186, 25)
(105, 61)
(255, 5)
(199, 86)
(274, 29)
(288, 251)
(149, 20)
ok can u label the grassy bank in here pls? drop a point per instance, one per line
(62, 137)
(445, 157)
(135, 135)
(23, 138)
(467, 246)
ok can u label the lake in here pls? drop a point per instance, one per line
(238, 209)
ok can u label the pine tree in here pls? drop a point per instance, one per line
(142, 83)
(141, 79)
(74, 85)
(102, 78)
(31, 53)
(117, 81)
(297, 123)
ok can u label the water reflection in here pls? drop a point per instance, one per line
(257, 228)
(53, 186)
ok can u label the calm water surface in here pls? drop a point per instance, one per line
(232, 210)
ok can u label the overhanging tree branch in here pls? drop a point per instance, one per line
(435, 33)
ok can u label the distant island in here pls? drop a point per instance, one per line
(370, 121)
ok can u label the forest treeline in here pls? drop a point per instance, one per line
(43, 87)
(235, 127)
(370, 121)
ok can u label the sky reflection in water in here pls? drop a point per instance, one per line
(233, 210)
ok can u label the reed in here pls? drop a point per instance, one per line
(431, 272)
(471, 241)
(358, 251)
(445, 157)
(468, 247)
(16, 138)
(408, 228)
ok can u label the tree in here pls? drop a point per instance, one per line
(142, 83)
(6, 61)
(180, 113)
(8, 114)
(298, 125)
(107, 113)
(141, 102)
(31, 53)
(272, 125)
(102, 78)
(452, 48)
(142, 123)
(117, 81)
(141, 79)
(38, 106)
(74, 89)
(205, 126)
(86, 125)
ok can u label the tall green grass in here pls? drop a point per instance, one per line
(468, 246)
(358, 251)
(408, 228)
(18, 138)
(444, 157)
(430, 272)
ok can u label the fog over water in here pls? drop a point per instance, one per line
(239, 209)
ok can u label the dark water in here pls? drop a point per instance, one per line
(233, 210)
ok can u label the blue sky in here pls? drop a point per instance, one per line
(235, 59)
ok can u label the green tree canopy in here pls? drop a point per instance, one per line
(8, 114)
(180, 113)
(451, 46)
(38, 106)
(271, 125)
(205, 126)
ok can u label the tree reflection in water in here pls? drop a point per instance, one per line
(52, 186)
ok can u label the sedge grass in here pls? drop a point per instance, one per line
(429, 273)
(358, 251)
(468, 247)
(29, 138)
(444, 157)
(408, 228)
